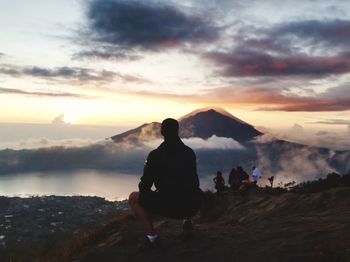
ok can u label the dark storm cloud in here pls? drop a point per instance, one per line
(301, 48)
(329, 33)
(243, 62)
(47, 94)
(136, 24)
(293, 37)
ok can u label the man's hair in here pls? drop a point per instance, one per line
(170, 128)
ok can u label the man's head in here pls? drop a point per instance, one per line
(170, 128)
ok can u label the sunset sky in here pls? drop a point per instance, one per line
(271, 63)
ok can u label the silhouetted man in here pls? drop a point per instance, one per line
(172, 169)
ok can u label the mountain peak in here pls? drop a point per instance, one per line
(202, 123)
(213, 108)
(207, 122)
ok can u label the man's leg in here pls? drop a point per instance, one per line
(141, 213)
(187, 228)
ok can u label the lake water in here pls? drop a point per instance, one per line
(108, 184)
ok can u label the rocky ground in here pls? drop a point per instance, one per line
(259, 226)
(36, 227)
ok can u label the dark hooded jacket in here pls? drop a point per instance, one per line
(171, 168)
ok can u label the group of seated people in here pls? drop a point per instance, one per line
(238, 179)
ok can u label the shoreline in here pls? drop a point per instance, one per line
(27, 196)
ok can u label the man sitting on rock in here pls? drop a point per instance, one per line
(172, 169)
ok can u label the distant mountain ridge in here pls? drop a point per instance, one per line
(202, 123)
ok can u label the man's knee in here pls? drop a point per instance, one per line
(133, 198)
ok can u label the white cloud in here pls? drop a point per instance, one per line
(265, 138)
(293, 163)
(212, 143)
(59, 120)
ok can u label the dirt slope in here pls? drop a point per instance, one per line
(260, 226)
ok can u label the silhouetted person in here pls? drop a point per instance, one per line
(234, 179)
(245, 182)
(172, 169)
(219, 182)
(256, 175)
(242, 174)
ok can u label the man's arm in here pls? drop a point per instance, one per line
(194, 169)
(147, 178)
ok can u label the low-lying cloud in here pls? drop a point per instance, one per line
(75, 154)
(104, 155)
(36, 143)
(289, 162)
(286, 161)
(212, 143)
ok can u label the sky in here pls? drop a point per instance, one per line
(275, 64)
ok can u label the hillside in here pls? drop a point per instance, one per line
(260, 226)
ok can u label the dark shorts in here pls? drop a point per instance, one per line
(178, 205)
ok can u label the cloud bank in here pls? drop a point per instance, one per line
(45, 94)
(70, 75)
(146, 25)
(36, 143)
(263, 98)
(126, 156)
(290, 162)
(312, 48)
(286, 161)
